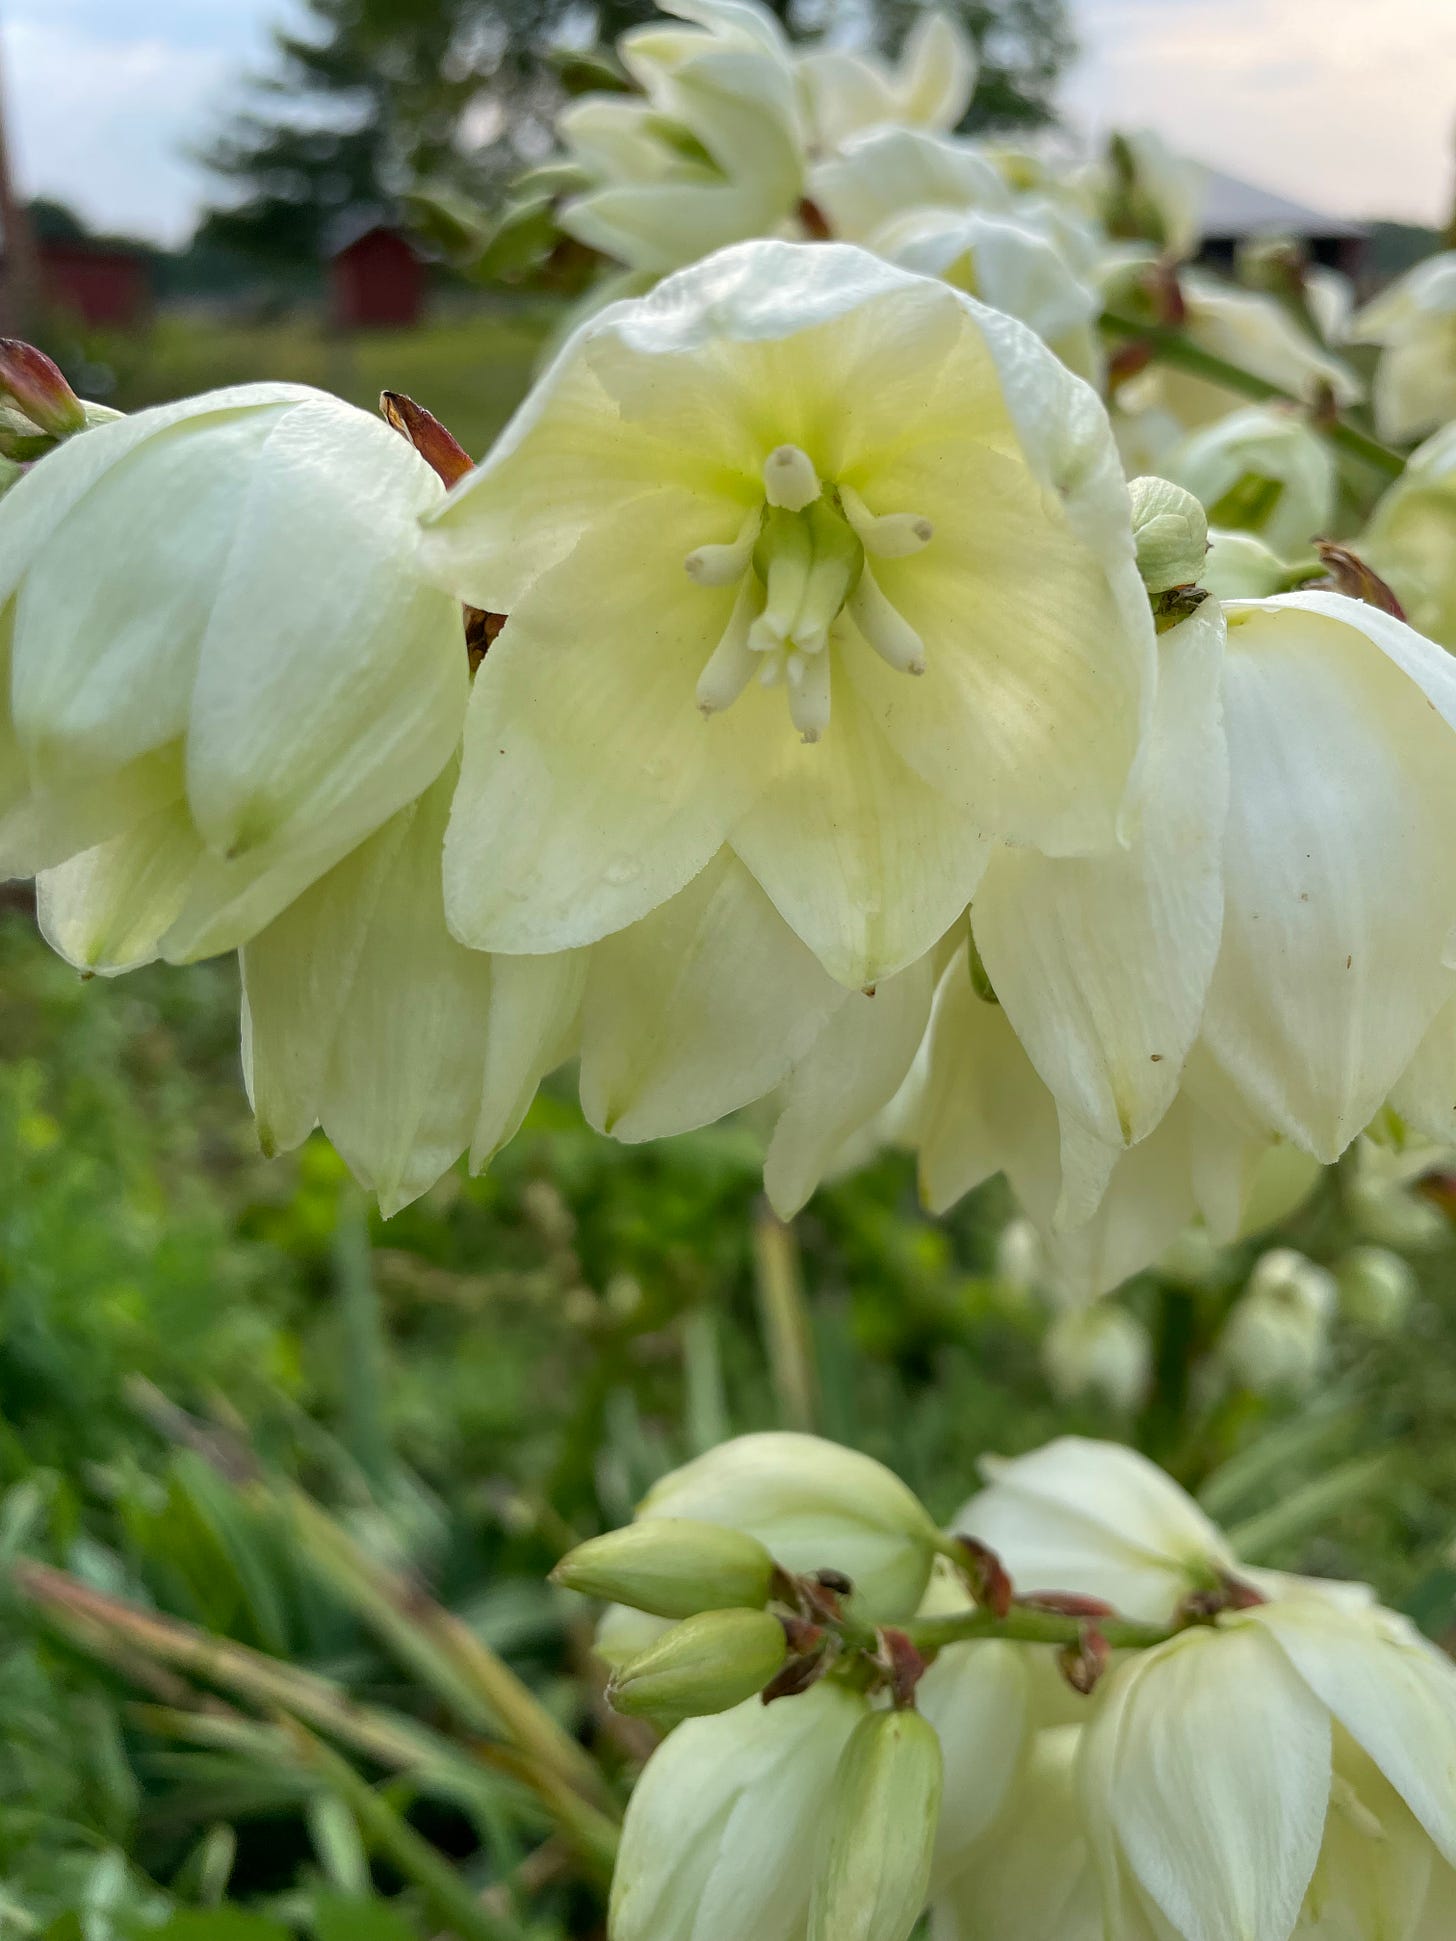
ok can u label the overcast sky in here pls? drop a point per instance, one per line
(1349, 105)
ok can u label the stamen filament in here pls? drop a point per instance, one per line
(732, 663)
(887, 535)
(885, 628)
(722, 565)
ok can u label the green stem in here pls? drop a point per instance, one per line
(1022, 1625)
(1171, 346)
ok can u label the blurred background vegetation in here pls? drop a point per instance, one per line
(280, 1485)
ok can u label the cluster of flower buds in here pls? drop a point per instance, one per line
(1172, 1742)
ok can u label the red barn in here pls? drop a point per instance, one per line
(106, 287)
(376, 280)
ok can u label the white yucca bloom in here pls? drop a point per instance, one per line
(1291, 1770)
(1410, 539)
(222, 669)
(1032, 1876)
(1155, 192)
(1099, 1520)
(929, 86)
(1099, 1350)
(1263, 470)
(723, 1823)
(813, 1505)
(1414, 321)
(885, 174)
(709, 153)
(1277, 1333)
(881, 607)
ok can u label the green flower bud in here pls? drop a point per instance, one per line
(708, 1663)
(1171, 531)
(1377, 1288)
(671, 1566)
(882, 1811)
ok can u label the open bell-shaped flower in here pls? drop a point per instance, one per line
(710, 153)
(765, 539)
(1414, 321)
(1287, 1770)
(221, 669)
(1410, 539)
(929, 86)
(1261, 470)
(719, 1828)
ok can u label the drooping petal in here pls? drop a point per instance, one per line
(398, 1089)
(1392, 1690)
(532, 1027)
(1032, 1877)
(866, 862)
(982, 1109)
(698, 1008)
(715, 1835)
(105, 656)
(1103, 963)
(1340, 883)
(1218, 1783)
(857, 1064)
(591, 787)
(107, 909)
(976, 1697)
(1100, 1519)
(297, 975)
(332, 678)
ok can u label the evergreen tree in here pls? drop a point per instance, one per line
(374, 95)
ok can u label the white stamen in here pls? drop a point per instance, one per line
(722, 565)
(809, 697)
(731, 665)
(772, 670)
(789, 478)
(888, 535)
(886, 630)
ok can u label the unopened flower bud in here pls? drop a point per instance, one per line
(883, 1811)
(1276, 1336)
(1170, 528)
(815, 1506)
(672, 1567)
(1377, 1288)
(35, 384)
(708, 1663)
(1101, 1350)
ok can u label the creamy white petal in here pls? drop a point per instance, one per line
(697, 1009)
(1340, 883)
(866, 862)
(107, 909)
(1219, 1782)
(976, 1697)
(857, 1064)
(1103, 963)
(718, 1825)
(1100, 1519)
(398, 1087)
(331, 679)
(1391, 1689)
(591, 787)
(533, 1026)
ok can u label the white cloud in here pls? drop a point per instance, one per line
(106, 101)
(1346, 105)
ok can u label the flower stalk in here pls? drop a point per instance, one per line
(1167, 345)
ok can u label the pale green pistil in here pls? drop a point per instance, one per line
(799, 562)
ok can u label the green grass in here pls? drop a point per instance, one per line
(469, 370)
